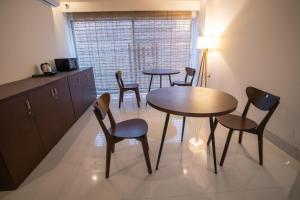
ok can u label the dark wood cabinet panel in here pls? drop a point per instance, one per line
(83, 91)
(89, 89)
(64, 104)
(34, 114)
(44, 107)
(20, 144)
(6, 182)
(75, 84)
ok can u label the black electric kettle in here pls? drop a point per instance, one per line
(47, 69)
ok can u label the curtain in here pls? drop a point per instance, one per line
(132, 42)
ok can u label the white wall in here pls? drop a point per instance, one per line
(260, 46)
(30, 34)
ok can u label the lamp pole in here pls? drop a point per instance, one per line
(203, 69)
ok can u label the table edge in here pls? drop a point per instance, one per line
(177, 72)
(192, 114)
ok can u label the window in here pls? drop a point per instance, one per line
(132, 42)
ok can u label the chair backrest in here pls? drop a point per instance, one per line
(190, 72)
(119, 79)
(263, 101)
(101, 108)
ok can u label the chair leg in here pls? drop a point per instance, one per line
(120, 98)
(146, 153)
(182, 132)
(147, 144)
(241, 137)
(226, 147)
(137, 96)
(149, 87)
(108, 155)
(113, 148)
(260, 148)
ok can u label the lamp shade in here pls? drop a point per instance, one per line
(207, 43)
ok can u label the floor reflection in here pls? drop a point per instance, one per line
(100, 140)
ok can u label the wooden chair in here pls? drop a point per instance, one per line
(127, 87)
(190, 72)
(129, 129)
(261, 100)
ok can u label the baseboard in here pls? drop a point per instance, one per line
(282, 144)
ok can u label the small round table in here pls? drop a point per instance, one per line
(191, 102)
(160, 72)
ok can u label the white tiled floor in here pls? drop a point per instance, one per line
(74, 169)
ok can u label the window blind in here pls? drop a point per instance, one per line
(132, 42)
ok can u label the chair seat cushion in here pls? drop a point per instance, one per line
(180, 83)
(236, 122)
(131, 128)
(131, 86)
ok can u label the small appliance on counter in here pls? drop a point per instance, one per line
(66, 64)
(47, 70)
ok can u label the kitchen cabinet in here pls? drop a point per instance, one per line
(64, 104)
(45, 110)
(83, 91)
(75, 83)
(89, 90)
(34, 114)
(53, 110)
(20, 146)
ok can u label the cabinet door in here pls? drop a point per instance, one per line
(90, 87)
(64, 104)
(84, 88)
(20, 143)
(46, 115)
(75, 84)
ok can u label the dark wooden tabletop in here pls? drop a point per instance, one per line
(160, 71)
(192, 101)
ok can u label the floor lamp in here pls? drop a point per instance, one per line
(205, 43)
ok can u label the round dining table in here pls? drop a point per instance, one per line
(160, 72)
(191, 101)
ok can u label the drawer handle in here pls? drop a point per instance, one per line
(52, 92)
(28, 107)
(55, 92)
